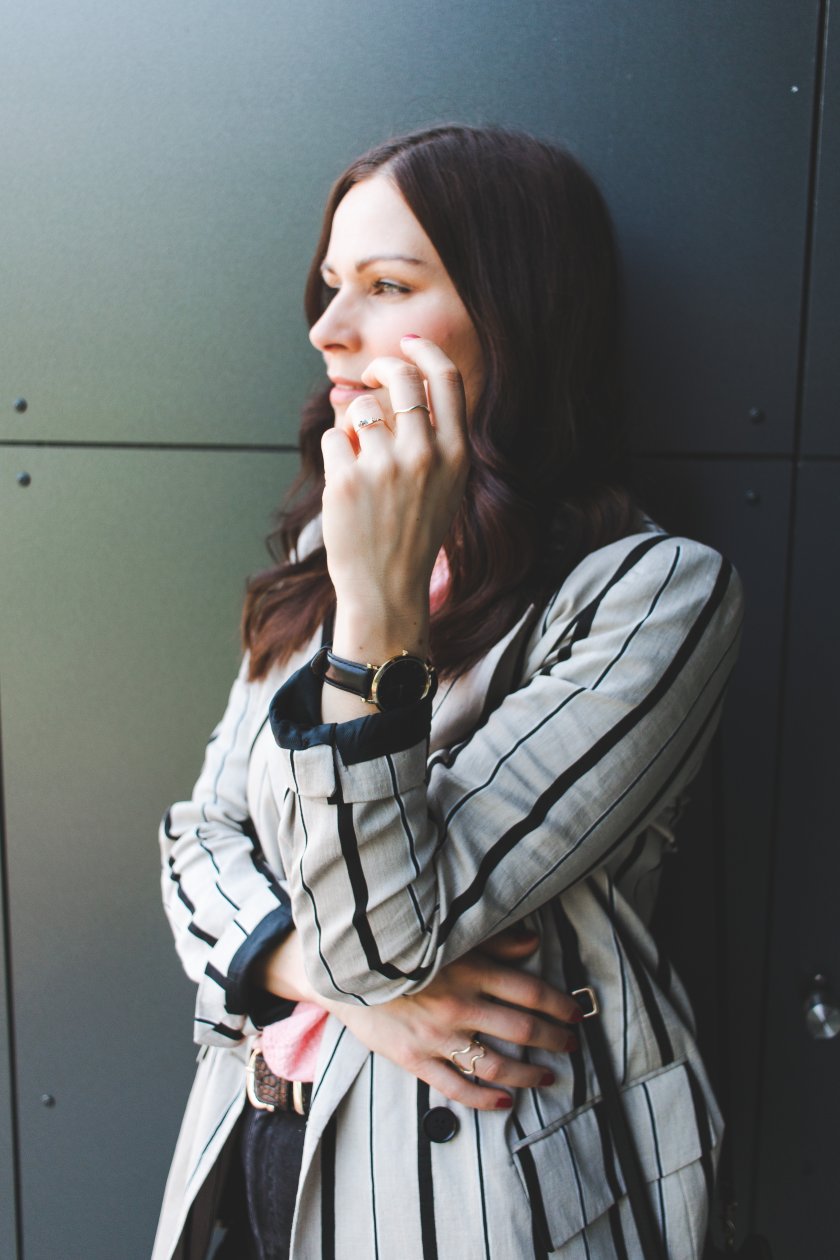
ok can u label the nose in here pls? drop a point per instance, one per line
(336, 328)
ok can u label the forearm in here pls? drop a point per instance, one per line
(370, 635)
(281, 972)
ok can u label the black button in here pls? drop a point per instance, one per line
(439, 1124)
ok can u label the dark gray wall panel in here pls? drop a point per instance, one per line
(8, 1213)
(799, 1169)
(124, 586)
(821, 423)
(164, 170)
(742, 508)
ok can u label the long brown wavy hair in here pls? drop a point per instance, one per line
(526, 238)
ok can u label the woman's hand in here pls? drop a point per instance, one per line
(472, 996)
(391, 490)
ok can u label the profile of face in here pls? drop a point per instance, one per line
(388, 280)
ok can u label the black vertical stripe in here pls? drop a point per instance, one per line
(540, 1233)
(309, 892)
(654, 1014)
(410, 838)
(581, 1199)
(653, 1130)
(575, 978)
(425, 1183)
(625, 1023)
(484, 1223)
(371, 1133)
(637, 627)
(701, 1116)
(581, 625)
(608, 1155)
(358, 884)
(328, 1191)
(597, 752)
(663, 973)
(327, 1066)
(195, 930)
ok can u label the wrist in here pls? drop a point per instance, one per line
(373, 635)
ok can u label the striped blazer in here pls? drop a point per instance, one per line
(541, 785)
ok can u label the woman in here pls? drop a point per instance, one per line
(438, 848)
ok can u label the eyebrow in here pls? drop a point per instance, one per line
(377, 258)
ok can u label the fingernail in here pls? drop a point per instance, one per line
(576, 1016)
(572, 1044)
(504, 1104)
(410, 337)
(548, 1079)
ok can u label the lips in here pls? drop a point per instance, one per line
(344, 390)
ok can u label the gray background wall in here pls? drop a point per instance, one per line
(163, 172)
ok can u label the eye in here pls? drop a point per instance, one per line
(387, 287)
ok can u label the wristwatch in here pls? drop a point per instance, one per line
(395, 684)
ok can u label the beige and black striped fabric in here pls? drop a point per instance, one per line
(542, 785)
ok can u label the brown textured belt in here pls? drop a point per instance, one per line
(268, 1092)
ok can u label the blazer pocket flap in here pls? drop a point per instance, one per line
(570, 1168)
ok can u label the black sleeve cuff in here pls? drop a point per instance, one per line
(295, 715)
(242, 996)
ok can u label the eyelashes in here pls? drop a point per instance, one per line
(382, 287)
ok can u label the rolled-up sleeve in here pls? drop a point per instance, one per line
(225, 904)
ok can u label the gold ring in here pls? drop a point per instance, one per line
(470, 1071)
(368, 421)
(403, 411)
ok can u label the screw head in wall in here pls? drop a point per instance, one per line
(752, 497)
(20, 404)
(48, 1100)
(24, 479)
(756, 415)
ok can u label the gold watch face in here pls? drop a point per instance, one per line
(400, 682)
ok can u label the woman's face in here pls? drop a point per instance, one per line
(388, 281)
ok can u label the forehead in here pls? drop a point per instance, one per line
(374, 217)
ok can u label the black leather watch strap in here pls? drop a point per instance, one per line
(346, 675)
(396, 683)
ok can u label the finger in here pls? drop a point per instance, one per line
(407, 394)
(500, 1069)
(512, 944)
(445, 388)
(530, 993)
(366, 416)
(339, 451)
(461, 1089)
(523, 1028)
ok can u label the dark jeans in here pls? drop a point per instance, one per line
(271, 1148)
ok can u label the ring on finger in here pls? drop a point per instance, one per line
(475, 1050)
(403, 411)
(367, 421)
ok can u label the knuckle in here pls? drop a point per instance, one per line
(526, 1029)
(412, 1060)
(420, 461)
(492, 1070)
(533, 991)
(450, 375)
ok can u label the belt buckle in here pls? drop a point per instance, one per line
(250, 1084)
(594, 1004)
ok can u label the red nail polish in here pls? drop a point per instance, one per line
(504, 1104)
(576, 1017)
(572, 1044)
(411, 337)
(548, 1079)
